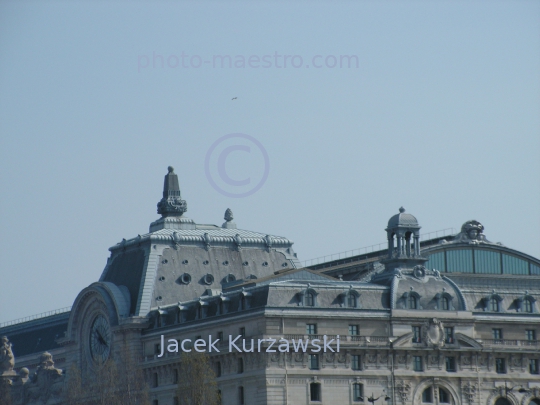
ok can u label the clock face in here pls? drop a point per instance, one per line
(100, 339)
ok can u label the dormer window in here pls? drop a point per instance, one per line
(493, 304)
(444, 301)
(412, 302)
(445, 304)
(307, 298)
(527, 305)
(351, 301)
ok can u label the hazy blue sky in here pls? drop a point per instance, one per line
(441, 115)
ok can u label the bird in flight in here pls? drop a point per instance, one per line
(234, 98)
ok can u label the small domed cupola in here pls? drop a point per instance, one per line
(403, 234)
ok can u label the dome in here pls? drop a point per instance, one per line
(403, 219)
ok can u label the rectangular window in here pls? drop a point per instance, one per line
(176, 401)
(240, 365)
(450, 364)
(497, 334)
(311, 328)
(157, 348)
(175, 376)
(460, 261)
(533, 366)
(155, 402)
(449, 335)
(513, 265)
(436, 261)
(243, 332)
(354, 330)
(218, 369)
(220, 336)
(417, 334)
(530, 334)
(487, 262)
(355, 362)
(315, 392)
(358, 392)
(500, 366)
(241, 395)
(155, 380)
(313, 361)
(417, 363)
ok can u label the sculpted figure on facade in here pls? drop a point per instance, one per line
(434, 333)
(7, 360)
(46, 383)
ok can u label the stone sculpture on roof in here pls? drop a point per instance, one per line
(7, 360)
(171, 204)
(472, 232)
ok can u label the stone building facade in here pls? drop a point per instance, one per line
(451, 320)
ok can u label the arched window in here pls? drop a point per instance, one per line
(444, 396)
(493, 304)
(413, 304)
(309, 299)
(242, 304)
(427, 395)
(358, 392)
(502, 401)
(534, 401)
(351, 300)
(527, 305)
(445, 304)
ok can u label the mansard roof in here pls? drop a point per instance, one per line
(178, 260)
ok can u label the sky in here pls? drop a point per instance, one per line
(310, 120)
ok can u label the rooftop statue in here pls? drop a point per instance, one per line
(472, 232)
(47, 381)
(7, 360)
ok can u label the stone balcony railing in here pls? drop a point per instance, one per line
(511, 344)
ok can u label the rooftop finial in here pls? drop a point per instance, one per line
(402, 210)
(229, 220)
(171, 204)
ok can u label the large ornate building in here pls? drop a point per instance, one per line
(451, 320)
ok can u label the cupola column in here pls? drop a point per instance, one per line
(416, 244)
(390, 244)
(399, 237)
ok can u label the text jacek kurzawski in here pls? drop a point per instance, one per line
(242, 345)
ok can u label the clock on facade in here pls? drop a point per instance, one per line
(100, 339)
